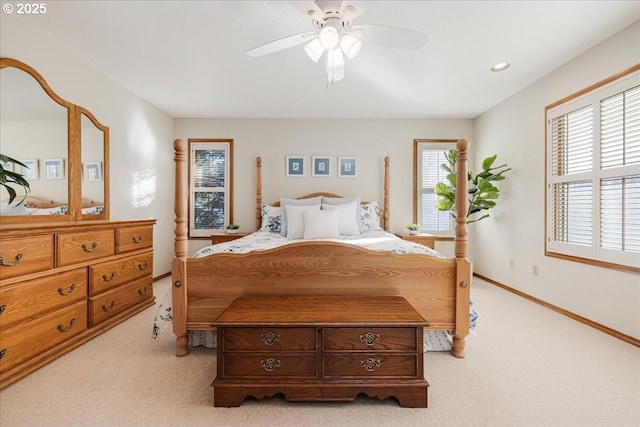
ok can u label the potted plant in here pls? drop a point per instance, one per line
(413, 228)
(482, 191)
(9, 178)
(232, 228)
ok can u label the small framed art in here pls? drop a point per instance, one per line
(347, 167)
(54, 168)
(321, 166)
(93, 171)
(295, 166)
(30, 169)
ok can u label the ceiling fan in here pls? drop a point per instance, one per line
(336, 36)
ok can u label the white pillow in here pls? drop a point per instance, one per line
(295, 202)
(271, 218)
(343, 201)
(295, 220)
(347, 223)
(370, 217)
(320, 224)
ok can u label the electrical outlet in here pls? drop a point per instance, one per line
(536, 270)
(512, 264)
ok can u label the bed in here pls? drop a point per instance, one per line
(203, 286)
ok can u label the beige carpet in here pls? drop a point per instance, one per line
(527, 366)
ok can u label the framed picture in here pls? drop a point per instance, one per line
(347, 167)
(295, 166)
(93, 171)
(54, 169)
(30, 172)
(321, 166)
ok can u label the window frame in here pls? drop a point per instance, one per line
(592, 254)
(417, 177)
(217, 144)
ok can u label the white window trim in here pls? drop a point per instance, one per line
(594, 254)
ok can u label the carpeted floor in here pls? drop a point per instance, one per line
(527, 366)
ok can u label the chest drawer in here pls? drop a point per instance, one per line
(24, 255)
(269, 365)
(117, 300)
(110, 274)
(273, 339)
(72, 248)
(36, 336)
(371, 365)
(391, 339)
(133, 238)
(47, 294)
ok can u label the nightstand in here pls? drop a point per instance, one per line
(428, 240)
(221, 238)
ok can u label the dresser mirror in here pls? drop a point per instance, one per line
(64, 147)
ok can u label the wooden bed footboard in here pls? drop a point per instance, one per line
(202, 288)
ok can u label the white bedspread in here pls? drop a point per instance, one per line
(263, 240)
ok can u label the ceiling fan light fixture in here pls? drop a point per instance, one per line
(329, 37)
(334, 59)
(350, 45)
(314, 50)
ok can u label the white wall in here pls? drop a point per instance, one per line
(515, 131)
(141, 136)
(368, 139)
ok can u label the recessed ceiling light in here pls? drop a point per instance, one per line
(500, 66)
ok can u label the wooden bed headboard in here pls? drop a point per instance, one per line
(384, 209)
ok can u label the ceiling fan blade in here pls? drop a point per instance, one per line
(280, 44)
(383, 35)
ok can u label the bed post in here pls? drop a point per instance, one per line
(463, 266)
(387, 211)
(258, 192)
(179, 266)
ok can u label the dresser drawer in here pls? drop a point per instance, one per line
(238, 339)
(35, 297)
(117, 300)
(108, 275)
(24, 255)
(72, 248)
(269, 365)
(31, 338)
(392, 339)
(133, 238)
(371, 365)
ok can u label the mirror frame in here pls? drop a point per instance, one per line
(74, 158)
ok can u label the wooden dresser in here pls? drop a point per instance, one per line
(320, 349)
(62, 284)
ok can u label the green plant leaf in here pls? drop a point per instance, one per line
(486, 163)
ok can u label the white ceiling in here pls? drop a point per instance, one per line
(187, 57)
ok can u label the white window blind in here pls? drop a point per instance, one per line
(430, 157)
(593, 175)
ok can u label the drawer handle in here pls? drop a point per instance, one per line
(67, 328)
(2, 353)
(107, 278)
(270, 338)
(3, 307)
(142, 291)
(11, 264)
(71, 289)
(91, 248)
(370, 364)
(110, 307)
(270, 364)
(370, 338)
(143, 266)
(138, 239)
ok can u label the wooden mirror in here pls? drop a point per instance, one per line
(64, 146)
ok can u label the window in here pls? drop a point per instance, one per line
(593, 175)
(428, 155)
(210, 186)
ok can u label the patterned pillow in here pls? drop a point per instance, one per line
(271, 218)
(370, 217)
